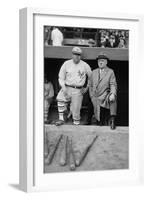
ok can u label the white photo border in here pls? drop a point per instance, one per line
(33, 178)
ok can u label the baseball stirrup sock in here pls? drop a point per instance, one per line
(61, 109)
(76, 122)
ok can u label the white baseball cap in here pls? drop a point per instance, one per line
(77, 50)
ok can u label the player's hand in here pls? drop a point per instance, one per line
(64, 91)
(84, 90)
(112, 97)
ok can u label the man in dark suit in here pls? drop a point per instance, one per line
(112, 42)
(103, 90)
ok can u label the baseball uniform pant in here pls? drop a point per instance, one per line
(75, 98)
(47, 103)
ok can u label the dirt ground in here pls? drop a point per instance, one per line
(110, 150)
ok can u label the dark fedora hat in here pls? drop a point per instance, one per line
(102, 56)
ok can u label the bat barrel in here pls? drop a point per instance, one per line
(63, 156)
(80, 159)
(71, 156)
(53, 150)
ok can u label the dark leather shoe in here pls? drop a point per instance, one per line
(99, 123)
(59, 123)
(87, 123)
(112, 124)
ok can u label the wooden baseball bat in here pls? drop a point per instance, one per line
(52, 150)
(80, 159)
(72, 165)
(63, 155)
(46, 149)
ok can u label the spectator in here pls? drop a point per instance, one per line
(107, 35)
(56, 37)
(127, 39)
(47, 35)
(77, 33)
(111, 43)
(116, 37)
(102, 42)
(91, 42)
(121, 43)
(48, 98)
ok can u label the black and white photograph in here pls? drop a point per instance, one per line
(86, 99)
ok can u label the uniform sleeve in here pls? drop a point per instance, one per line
(89, 74)
(113, 84)
(88, 70)
(62, 75)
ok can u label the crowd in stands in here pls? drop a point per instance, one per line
(113, 38)
(105, 38)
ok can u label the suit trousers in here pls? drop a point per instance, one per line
(104, 112)
(113, 108)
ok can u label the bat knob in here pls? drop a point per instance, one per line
(77, 162)
(46, 161)
(72, 167)
(45, 155)
(62, 162)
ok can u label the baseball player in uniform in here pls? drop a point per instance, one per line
(72, 76)
(48, 97)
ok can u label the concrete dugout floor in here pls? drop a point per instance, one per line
(110, 151)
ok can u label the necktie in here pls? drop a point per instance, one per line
(101, 72)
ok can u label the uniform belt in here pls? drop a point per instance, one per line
(76, 87)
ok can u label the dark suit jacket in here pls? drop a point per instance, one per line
(109, 45)
(101, 88)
